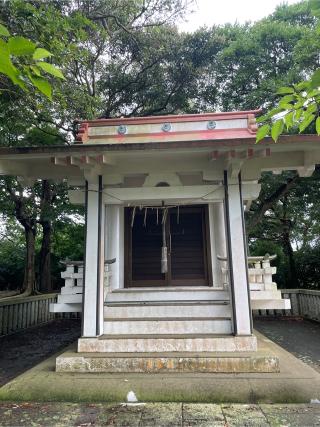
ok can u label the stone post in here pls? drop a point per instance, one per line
(237, 256)
(114, 243)
(92, 321)
(218, 241)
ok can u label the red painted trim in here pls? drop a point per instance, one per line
(82, 135)
(174, 118)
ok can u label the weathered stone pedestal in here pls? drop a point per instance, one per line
(171, 362)
(165, 354)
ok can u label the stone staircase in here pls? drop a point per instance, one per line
(166, 311)
(162, 321)
(163, 330)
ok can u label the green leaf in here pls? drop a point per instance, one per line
(43, 85)
(21, 46)
(287, 98)
(285, 90)
(302, 86)
(262, 132)
(51, 69)
(312, 108)
(35, 70)
(288, 119)
(306, 122)
(299, 105)
(286, 107)
(277, 129)
(312, 93)
(318, 125)
(285, 102)
(315, 7)
(268, 115)
(4, 50)
(3, 31)
(315, 79)
(6, 66)
(298, 114)
(41, 53)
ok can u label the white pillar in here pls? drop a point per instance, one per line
(217, 240)
(114, 243)
(92, 321)
(237, 256)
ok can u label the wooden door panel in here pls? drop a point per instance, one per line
(146, 243)
(186, 238)
(187, 250)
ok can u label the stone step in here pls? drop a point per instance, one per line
(265, 295)
(167, 326)
(273, 304)
(65, 308)
(168, 294)
(166, 363)
(166, 310)
(70, 299)
(167, 343)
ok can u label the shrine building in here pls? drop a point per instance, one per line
(165, 276)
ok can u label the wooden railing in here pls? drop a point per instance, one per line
(304, 303)
(24, 312)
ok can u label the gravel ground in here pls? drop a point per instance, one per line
(300, 337)
(25, 349)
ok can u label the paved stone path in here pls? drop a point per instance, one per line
(158, 415)
(300, 337)
(25, 349)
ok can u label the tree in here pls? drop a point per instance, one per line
(125, 58)
(23, 63)
(98, 40)
(299, 105)
(286, 214)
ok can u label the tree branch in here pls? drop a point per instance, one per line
(269, 202)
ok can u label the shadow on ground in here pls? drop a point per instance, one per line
(299, 337)
(25, 349)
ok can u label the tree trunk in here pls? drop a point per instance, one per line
(287, 247)
(48, 195)
(29, 271)
(45, 282)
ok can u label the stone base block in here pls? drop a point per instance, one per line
(169, 343)
(169, 363)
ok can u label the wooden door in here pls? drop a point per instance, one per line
(188, 252)
(188, 249)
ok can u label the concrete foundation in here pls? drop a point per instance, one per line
(167, 343)
(176, 362)
(296, 382)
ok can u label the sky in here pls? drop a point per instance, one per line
(210, 12)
